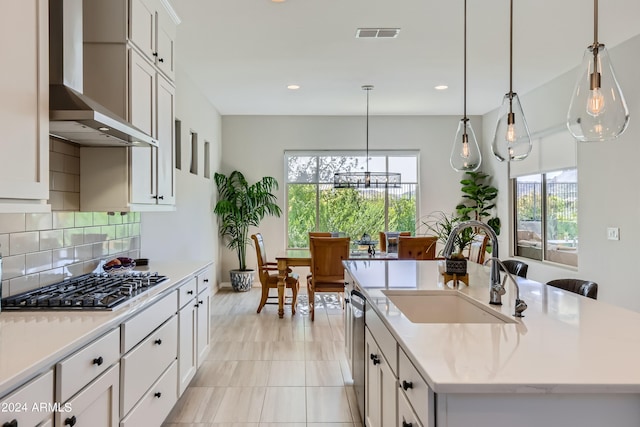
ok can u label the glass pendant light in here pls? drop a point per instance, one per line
(465, 155)
(597, 111)
(512, 140)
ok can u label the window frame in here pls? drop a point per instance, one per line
(345, 153)
(544, 216)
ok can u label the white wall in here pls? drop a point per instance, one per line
(608, 190)
(255, 146)
(190, 232)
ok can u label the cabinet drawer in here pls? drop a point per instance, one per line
(135, 329)
(155, 405)
(416, 389)
(80, 369)
(186, 292)
(406, 416)
(383, 338)
(205, 279)
(144, 364)
(18, 405)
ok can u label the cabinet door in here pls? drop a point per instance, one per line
(47, 423)
(142, 114)
(166, 32)
(187, 351)
(142, 25)
(24, 111)
(406, 416)
(96, 405)
(18, 407)
(165, 133)
(204, 324)
(381, 390)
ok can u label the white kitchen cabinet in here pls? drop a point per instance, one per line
(17, 409)
(381, 389)
(141, 92)
(406, 416)
(204, 282)
(187, 334)
(96, 405)
(416, 391)
(24, 111)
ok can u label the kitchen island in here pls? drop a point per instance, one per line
(571, 361)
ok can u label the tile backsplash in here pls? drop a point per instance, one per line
(43, 248)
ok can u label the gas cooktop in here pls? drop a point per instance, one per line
(87, 292)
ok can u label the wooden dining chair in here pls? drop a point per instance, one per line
(383, 239)
(478, 248)
(269, 280)
(418, 247)
(327, 271)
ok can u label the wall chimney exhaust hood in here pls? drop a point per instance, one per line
(72, 115)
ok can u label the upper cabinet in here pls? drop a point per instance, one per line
(24, 111)
(130, 43)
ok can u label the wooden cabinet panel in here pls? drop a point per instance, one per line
(165, 133)
(187, 356)
(138, 327)
(204, 324)
(142, 25)
(155, 405)
(18, 405)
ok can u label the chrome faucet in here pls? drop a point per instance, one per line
(496, 290)
(520, 304)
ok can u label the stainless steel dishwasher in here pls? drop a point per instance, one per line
(358, 306)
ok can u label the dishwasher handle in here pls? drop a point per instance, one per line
(358, 300)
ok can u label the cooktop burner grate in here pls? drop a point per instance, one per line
(87, 292)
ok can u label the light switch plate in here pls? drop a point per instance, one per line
(613, 233)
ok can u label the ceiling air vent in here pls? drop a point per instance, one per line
(377, 33)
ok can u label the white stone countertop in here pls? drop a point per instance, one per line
(566, 343)
(32, 342)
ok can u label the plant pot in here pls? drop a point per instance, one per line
(456, 266)
(241, 280)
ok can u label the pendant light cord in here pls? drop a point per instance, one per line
(465, 67)
(595, 23)
(368, 89)
(511, 57)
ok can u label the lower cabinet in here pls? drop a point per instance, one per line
(381, 389)
(17, 409)
(406, 416)
(204, 324)
(96, 405)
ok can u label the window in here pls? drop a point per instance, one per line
(314, 205)
(547, 216)
(194, 153)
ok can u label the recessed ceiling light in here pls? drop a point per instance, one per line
(103, 129)
(278, 1)
(293, 87)
(441, 87)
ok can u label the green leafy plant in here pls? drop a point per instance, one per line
(240, 206)
(440, 224)
(478, 200)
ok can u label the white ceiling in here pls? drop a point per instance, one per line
(243, 53)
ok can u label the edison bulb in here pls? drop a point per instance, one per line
(465, 150)
(511, 133)
(595, 102)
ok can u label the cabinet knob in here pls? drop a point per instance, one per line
(157, 394)
(406, 385)
(158, 341)
(189, 292)
(12, 423)
(406, 424)
(196, 305)
(155, 53)
(200, 302)
(375, 359)
(161, 197)
(70, 421)
(206, 280)
(161, 60)
(98, 361)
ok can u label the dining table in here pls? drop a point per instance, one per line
(302, 258)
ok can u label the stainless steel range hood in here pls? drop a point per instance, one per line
(72, 115)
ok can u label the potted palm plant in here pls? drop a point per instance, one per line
(240, 206)
(440, 224)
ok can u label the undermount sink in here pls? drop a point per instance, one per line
(442, 307)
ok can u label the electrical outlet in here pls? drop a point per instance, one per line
(613, 233)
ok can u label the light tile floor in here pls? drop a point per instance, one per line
(263, 371)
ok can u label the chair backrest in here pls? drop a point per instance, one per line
(318, 234)
(327, 254)
(478, 248)
(383, 239)
(261, 254)
(516, 267)
(585, 288)
(419, 247)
